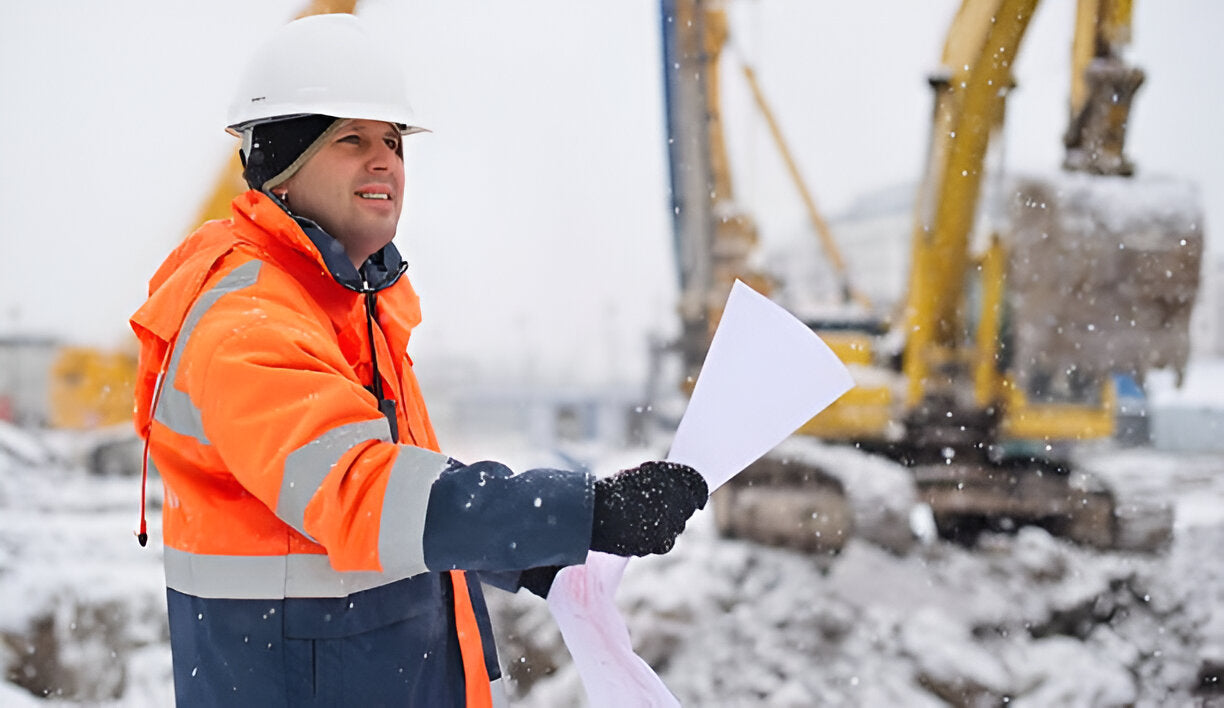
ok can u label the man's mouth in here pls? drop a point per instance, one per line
(373, 195)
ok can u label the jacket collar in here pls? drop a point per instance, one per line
(268, 214)
(380, 270)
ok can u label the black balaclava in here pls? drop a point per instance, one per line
(276, 145)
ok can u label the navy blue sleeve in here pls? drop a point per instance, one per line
(485, 517)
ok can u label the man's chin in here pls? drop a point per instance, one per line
(375, 239)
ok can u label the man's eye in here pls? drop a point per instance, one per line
(392, 143)
(350, 139)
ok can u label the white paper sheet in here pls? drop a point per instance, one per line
(766, 374)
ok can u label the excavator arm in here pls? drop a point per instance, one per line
(1102, 88)
(970, 96)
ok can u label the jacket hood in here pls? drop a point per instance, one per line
(260, 225)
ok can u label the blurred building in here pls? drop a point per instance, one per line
(544, 416)
(873, 235)
(25, 379)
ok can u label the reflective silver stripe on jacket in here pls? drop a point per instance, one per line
(265, 577)
(307, 466)
(400, 548)
(401, 533)
(175, 409)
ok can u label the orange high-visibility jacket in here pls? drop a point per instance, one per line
(284, 482)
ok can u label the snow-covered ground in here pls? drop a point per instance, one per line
(82, 605)
(1025, 619)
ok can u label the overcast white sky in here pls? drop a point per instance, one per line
(537, 224)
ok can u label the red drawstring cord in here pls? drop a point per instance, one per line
(143, 534)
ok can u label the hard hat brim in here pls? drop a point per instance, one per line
(396, 118)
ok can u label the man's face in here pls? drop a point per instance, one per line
(353, 186)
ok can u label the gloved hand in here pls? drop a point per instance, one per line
(642, 510)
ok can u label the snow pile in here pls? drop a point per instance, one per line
(1029, 619)
(82, 606)
(21, 447)
(1026, 619)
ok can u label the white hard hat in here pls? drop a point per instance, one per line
(323, 64)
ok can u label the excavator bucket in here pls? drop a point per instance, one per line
(1102, 277)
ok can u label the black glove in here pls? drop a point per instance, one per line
(642, 510)
(539, 580)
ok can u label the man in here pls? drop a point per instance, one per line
(315, 538)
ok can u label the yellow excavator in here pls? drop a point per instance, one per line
(1004, 350)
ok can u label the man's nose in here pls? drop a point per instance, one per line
(381, 157)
